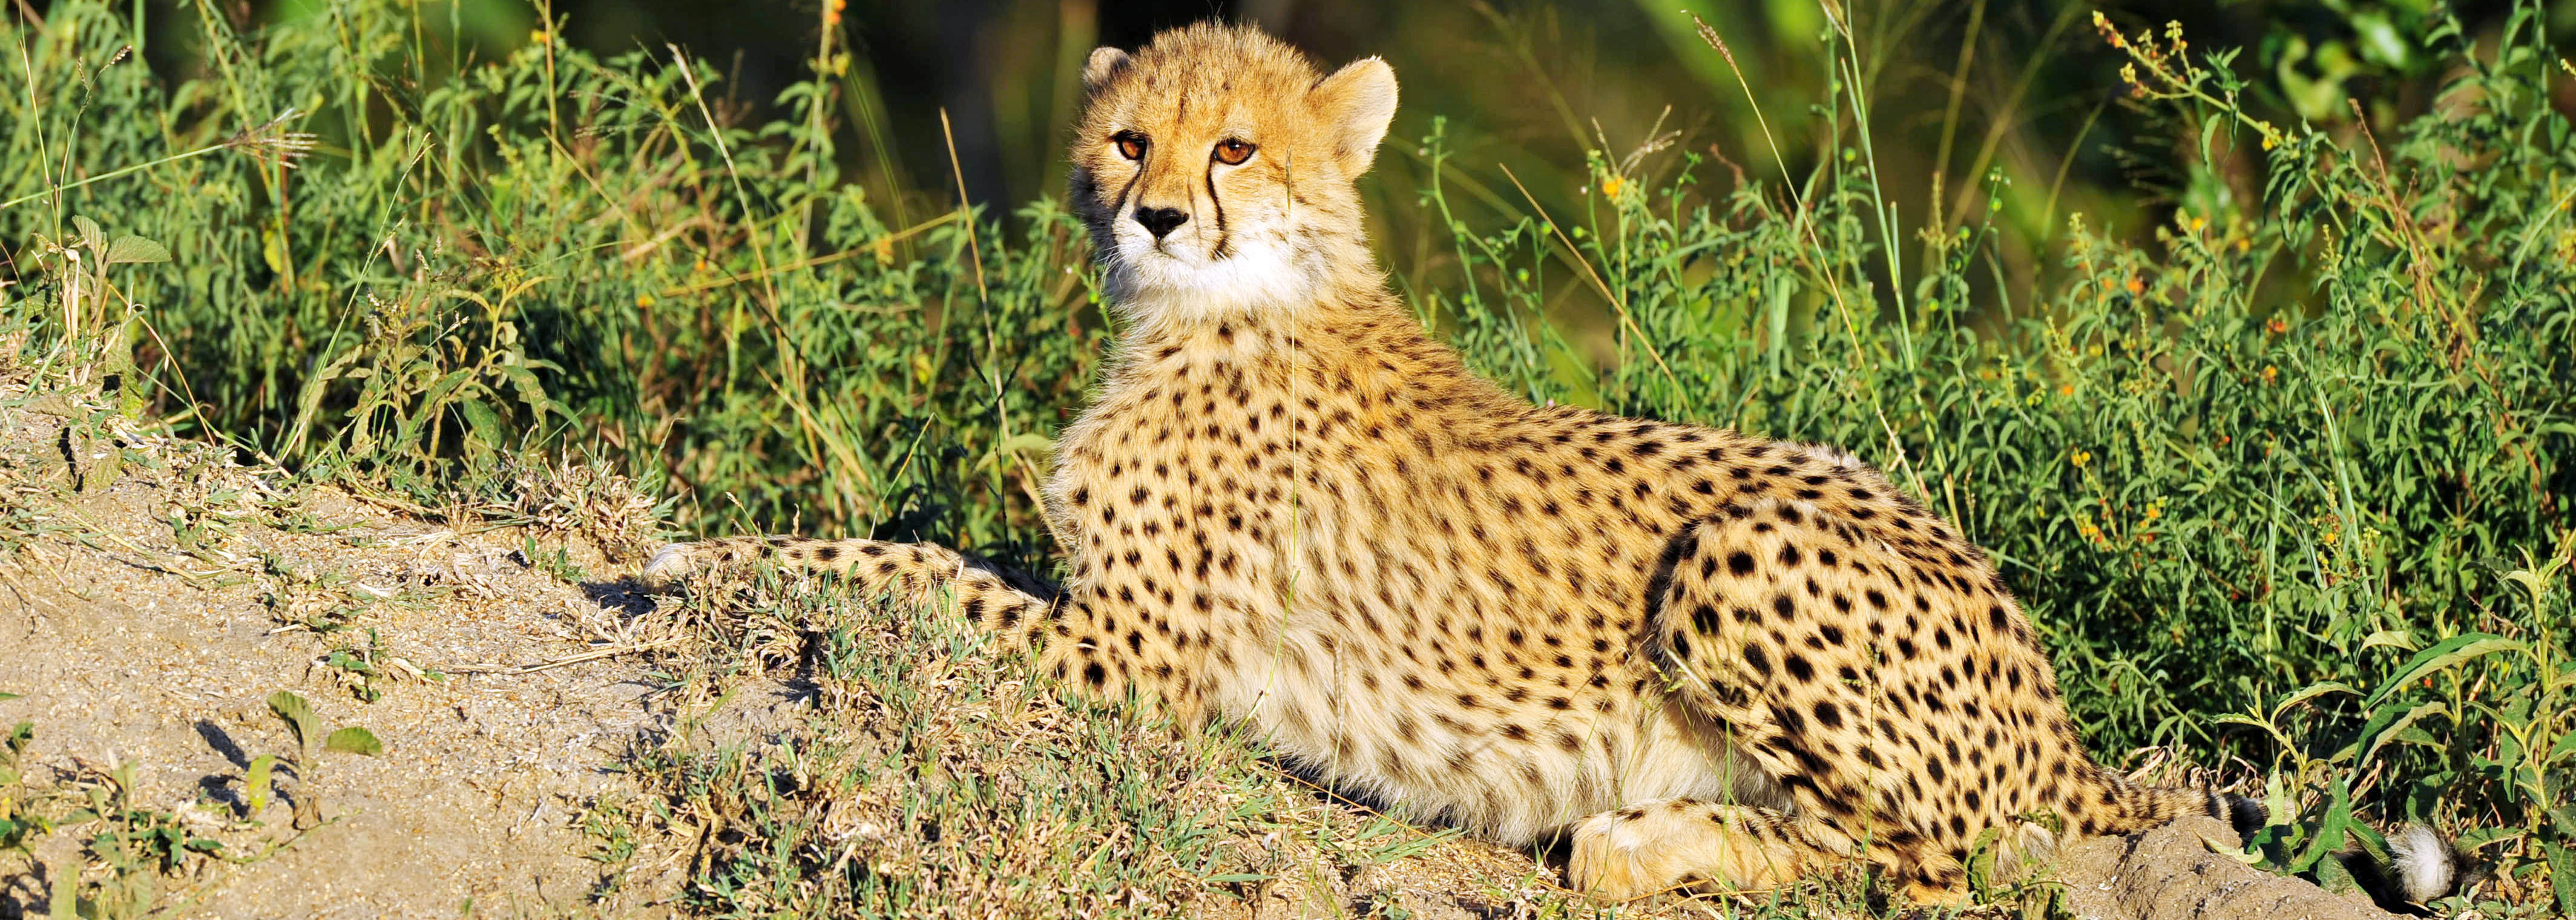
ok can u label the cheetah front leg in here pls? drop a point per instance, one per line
(1012, 605)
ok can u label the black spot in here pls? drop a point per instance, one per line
(1828, 715)
(1789, 554)
(1798, 667)
(1740, 563)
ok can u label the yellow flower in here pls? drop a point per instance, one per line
(2271, 374)
(644, 300)
(537, 36)
(2066, 390)
(1611, 186)
(2081, 458)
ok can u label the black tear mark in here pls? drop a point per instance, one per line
(1224, 244)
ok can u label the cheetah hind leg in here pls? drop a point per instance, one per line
(1670, 844)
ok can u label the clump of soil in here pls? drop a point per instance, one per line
(2172, 873)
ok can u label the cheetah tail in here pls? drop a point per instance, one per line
(2129, 806)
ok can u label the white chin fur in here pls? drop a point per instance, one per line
(1177, 285)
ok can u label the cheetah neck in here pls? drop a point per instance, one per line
(1358, 345)
(1335, 376)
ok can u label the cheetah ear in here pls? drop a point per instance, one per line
(1105, 63)
(1357, 102)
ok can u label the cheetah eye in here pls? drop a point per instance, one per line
(1130, 144)
(1232, 152)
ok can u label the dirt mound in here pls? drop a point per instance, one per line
(156, 597)
(2172, 873)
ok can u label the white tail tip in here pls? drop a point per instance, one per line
(2425, 863)
(669, 564)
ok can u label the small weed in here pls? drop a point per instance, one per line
(364, 669)
(18, 822)
(133, 851)
(310, 742)
(319, 600)
(557, 563)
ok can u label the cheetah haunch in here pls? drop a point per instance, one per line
(1710, 657)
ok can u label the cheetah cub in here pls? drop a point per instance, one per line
(1709, 657)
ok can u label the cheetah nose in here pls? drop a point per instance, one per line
(1160, 221)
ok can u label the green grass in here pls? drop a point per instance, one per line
(2285, 480)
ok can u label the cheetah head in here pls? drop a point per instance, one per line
(1214, 168)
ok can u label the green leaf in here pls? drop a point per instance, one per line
(255, 783)
(66, 901)
(2562, 874)
(131, 248)
(2244, 854)
(2383, 728)
(485, 423)
(2312, 691)
(298, 715)
(5, 697)
(91, 235)
(2443, 654)
(355, 740)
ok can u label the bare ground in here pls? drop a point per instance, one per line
(153, 595)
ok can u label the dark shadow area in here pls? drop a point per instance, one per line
(222, 743)
(625, 595)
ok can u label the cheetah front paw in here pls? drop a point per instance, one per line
(1671, 844)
